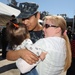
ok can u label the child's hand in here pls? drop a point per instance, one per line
(42, 56)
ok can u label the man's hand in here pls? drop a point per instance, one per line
(28, 56)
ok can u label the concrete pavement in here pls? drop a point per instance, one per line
(8, 67)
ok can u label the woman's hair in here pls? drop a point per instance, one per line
(16, 33)
(61, 22)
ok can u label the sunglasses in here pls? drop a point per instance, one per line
(48, 25)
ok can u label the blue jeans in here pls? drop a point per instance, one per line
(32, 72)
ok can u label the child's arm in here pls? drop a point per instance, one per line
(33, 49)
(38, 51)
(43, 55)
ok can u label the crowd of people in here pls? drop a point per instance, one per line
(38, 49)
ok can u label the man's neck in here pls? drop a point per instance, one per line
(38, 28)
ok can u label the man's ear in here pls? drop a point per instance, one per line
(38, 15)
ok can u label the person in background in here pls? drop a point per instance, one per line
(69, 32)
(4, 42)
(71, 70)
(13, 19)
(29, 16)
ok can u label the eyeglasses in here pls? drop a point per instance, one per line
(48, 25)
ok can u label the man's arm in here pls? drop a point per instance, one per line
(12, 55)
(25, 54)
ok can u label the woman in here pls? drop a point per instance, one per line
(57, 46)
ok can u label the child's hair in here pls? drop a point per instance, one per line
(16, 33)
(61, 22)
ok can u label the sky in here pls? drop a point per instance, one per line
(52, 6)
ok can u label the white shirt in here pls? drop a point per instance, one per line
(22, 65)
(54, 62)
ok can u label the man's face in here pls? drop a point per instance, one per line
(31, 22)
